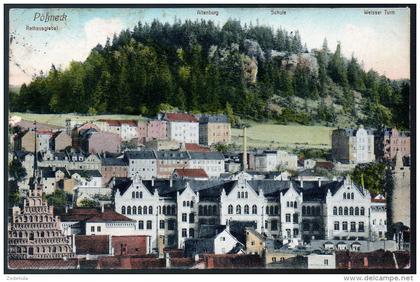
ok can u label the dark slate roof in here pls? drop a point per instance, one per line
(271, 188)
(113, 162)
(146, 154)
(108, 216)
(319, 193)
(214, 119)
(83, 173)
(49, 172)
(198, 246)
(21, 154)
(121, 184)
(210, 231)
(207, 155)
(172, 155)
(237, 229)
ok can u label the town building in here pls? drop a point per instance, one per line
(60, 141)
(35, 233)
(113, 167)
(400, 211)
(25, 141)
(142, 163)
(213, 163)
(126, 129)
(92, 141)
(214, 129)
(168, 161)
(389, 141)
(182, 127)
(353, 145)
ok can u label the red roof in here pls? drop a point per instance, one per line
(373, 200)
(120, 262)
(130, 245)
(233, 261)
(182, 117)
(78, 214)
(374, 260)
(196, 148)
(116, 122)
(43, 264)
(191, 172)
(108, 215)
(93, 245)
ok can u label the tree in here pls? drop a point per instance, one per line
(372, 176)
(87, 203)
(58, 198)
(337, 68)
(17, 171)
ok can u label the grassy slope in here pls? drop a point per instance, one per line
(59, 119)
(275, 136)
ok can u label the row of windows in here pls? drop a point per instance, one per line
(184, 232)
(137, 195)
(344, 226)
(134, 210)
(348, 196)
(307, 210)
(191, 217)
(295, 217)
(148, 224)
(239, 209)
(291, 204)
(349, 211)
(272, 210)
(188, 204)
(207, 210)
(242, 195)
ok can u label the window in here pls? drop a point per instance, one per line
(274, 225)
(335, 211)
(149, 224)
(139, 209)
(191, 218)
(184, 217)
(162, 224)
(267, 210)
(325, 262)
(92, 229)
(356, 211)
(295, 205)
(133, 195)
(287, 217)
(98, 229)
(345, 226)
(351, 211)
(171, 224)
(128, 210)
(361, 226)
(362, 211)
(344, 196)
(184, 232)
(271, 210)
(254, 209)
(346, 211)
(214, 210)
(144, 210)
(352, 226)
(141, 224)
(191, 232)
(352, 196)
(238, 209)
(295, 232)
(336, 225)
(137, 194)
(246, 195)
(184, 203)
(246, 209)
(295, 218)
(230, 209)
(123, 210)
(303, 210)
(340, 211)
(150, 210)
(134, 210)
(239, 195)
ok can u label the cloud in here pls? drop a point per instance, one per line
(98, 30)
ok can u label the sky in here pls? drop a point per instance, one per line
(380, 42)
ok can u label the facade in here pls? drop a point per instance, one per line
(70, 160)
(25, 141)
(142, 163)
(35, 233)
(378, 218)
(113, 167)
(267, 161)
(321, 261)
(213, 163)
(156, 129)
(389, 141)
(401, 193)
(278, 209)
(214, 129)
(60, 141)
(168, 161)
(126, 129)
(353, 145)
(182, 127)
(93, 141)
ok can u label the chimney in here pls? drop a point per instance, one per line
(102, 208)
(67, 209)
(167, 260)
(170, 182)
(210, 262)
(245, 154)
(227, 225)
(301, 182)
(153, 181)
(366, 262)
(110, 250)
(319, 182)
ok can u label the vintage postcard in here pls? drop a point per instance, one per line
(216, 139)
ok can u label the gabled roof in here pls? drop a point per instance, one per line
(206, 156)
(115, 122)
(86, 173)
(214, 119)
(191, 172)
(192, 147)
(210, 231)
(108, 216)
(172, 155)
(92, 244)
(113, 162)
(146, 154)
(180, 117)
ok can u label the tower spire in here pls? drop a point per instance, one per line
(35, 152)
